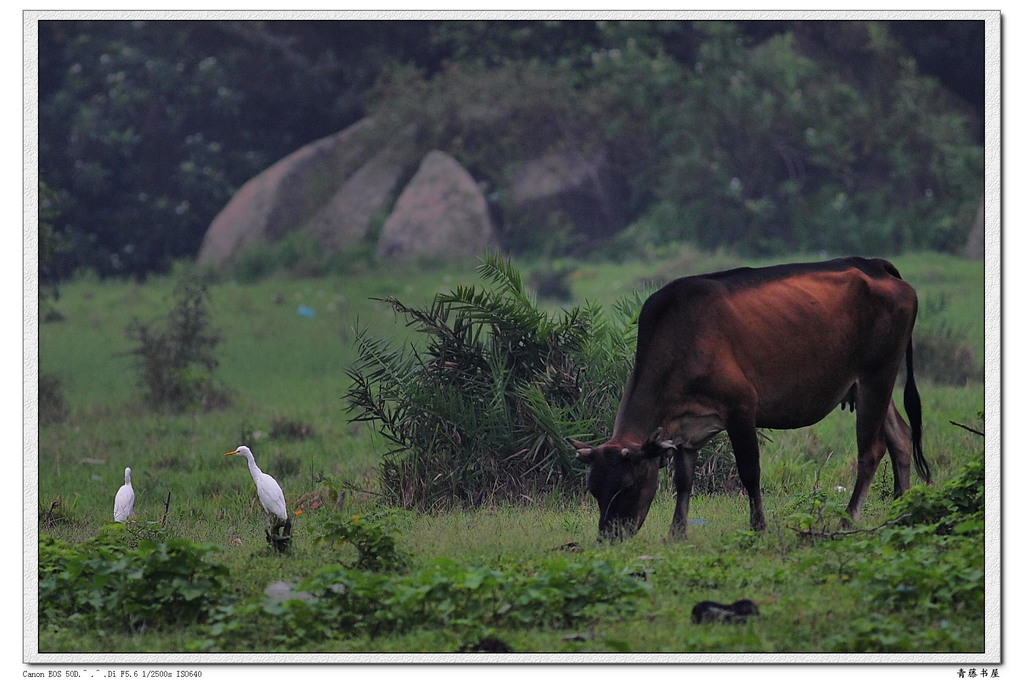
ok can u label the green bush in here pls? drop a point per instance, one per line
(934, 574)
(480, 411)
(955, 507)
(175, 359)
(116, 582)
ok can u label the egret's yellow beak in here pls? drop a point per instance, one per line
(231, 453)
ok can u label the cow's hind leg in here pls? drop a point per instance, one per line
(873, 401)
(685, 462)
(743, 435)
(897, 442)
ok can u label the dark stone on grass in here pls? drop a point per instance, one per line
(486, 645)
(709, 611)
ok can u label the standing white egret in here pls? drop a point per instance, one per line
(124, 501)
(270, 495)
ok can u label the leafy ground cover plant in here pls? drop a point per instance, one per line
(338, 601)
(115, 581)
(922, 570)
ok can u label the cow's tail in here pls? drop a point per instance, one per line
(912, 405)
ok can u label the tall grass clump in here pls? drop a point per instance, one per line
(478, 411)
(942, 351)
(175, 358)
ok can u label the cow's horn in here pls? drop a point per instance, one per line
(583, 452)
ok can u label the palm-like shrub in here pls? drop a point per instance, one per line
(479, 411)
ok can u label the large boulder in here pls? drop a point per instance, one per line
(441, 213)
(332, 188)
(346, 218)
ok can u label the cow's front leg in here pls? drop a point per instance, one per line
(685, 461)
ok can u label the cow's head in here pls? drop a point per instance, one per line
(624, 480)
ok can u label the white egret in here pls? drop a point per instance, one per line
(124, 501)
(270, 495)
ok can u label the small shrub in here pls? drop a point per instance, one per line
(371, 535)
(887, 634)
(53, 405)
(816, 514)
(945, 358)
(176, 360)
(300, 255)
(286, 465)
(920, 571)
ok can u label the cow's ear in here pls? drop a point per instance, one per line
(661, 449)
(655, 440)
(655, 445)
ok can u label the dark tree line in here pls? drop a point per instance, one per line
(746, 134)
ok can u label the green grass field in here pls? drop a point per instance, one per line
(285, 370)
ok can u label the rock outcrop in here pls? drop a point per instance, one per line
(332, 187)
(339, 188)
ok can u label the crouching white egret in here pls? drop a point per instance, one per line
(271, 497)
(124, 501)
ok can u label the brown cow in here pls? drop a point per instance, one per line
(776, 347)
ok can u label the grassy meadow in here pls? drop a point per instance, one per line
(528, 575)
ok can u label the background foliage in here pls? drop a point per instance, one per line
(763, 135)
